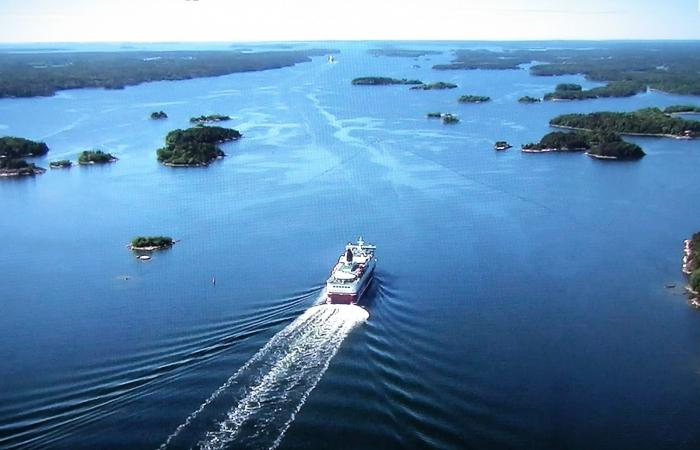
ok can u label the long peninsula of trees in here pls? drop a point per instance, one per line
(42, 74)
(649, 121)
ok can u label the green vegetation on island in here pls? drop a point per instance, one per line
(195, 146)
(473, 99)
(682, 109)
(95, 157)
(42, 74)
(614, 148)
(449, 119)
(211, 118)
(528, 99)
(645, 122)
(382, 81)
(15, 147)
(431, 86)
(61, 164)
(600, 145)
(691, 267)
(672, 67)
(13, 150)
(18, 168)
(559, 141)
(150, 243)
(156, 115)
(615, 89)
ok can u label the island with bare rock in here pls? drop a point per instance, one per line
(89, 157)
(211, 118)
(14, 150)
(691, 267)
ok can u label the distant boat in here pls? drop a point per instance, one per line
(213, 280)
(331, 59)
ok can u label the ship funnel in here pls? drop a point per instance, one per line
(348, 255)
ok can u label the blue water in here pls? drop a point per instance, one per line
(519, 300)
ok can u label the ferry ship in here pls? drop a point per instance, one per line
(352, 275)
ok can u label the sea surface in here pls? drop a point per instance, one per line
(520, 300)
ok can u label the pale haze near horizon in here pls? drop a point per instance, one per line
(276, 20)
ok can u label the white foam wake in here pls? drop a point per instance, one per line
(257, 404)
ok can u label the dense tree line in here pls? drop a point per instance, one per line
(381, 81)
(529, 99)
(431, 86)
(16, 147)
(156, 115)
(195, 146)
(626, 66)
(571, 141)
(614, 89)
(42, 74)
(694, 278)
(682, 109)
(644, 121)
(473, 99)
(152, 241)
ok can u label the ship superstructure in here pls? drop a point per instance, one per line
(352, 274)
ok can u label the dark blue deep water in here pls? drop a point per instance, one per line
(519, 300)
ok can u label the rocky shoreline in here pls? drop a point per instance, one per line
(688, 263)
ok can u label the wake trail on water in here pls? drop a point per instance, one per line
(257, 404)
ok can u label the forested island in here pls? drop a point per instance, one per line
(682, 109)
(672, 67)
(473, 99)
(528, 99)
(89, 157)
(382, 81)
(157, 115)
(691, 267)
(599, 145)
(431, 86)
(644, 122)
(61, 164)
(42, 74)
(151, 243)
(13, 150)
(211, 118)
(195, 147)
(570, 91)
(559, 141)
(614, 148)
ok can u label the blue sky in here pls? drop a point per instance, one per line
(264, 20)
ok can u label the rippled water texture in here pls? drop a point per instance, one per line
(519, 301)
